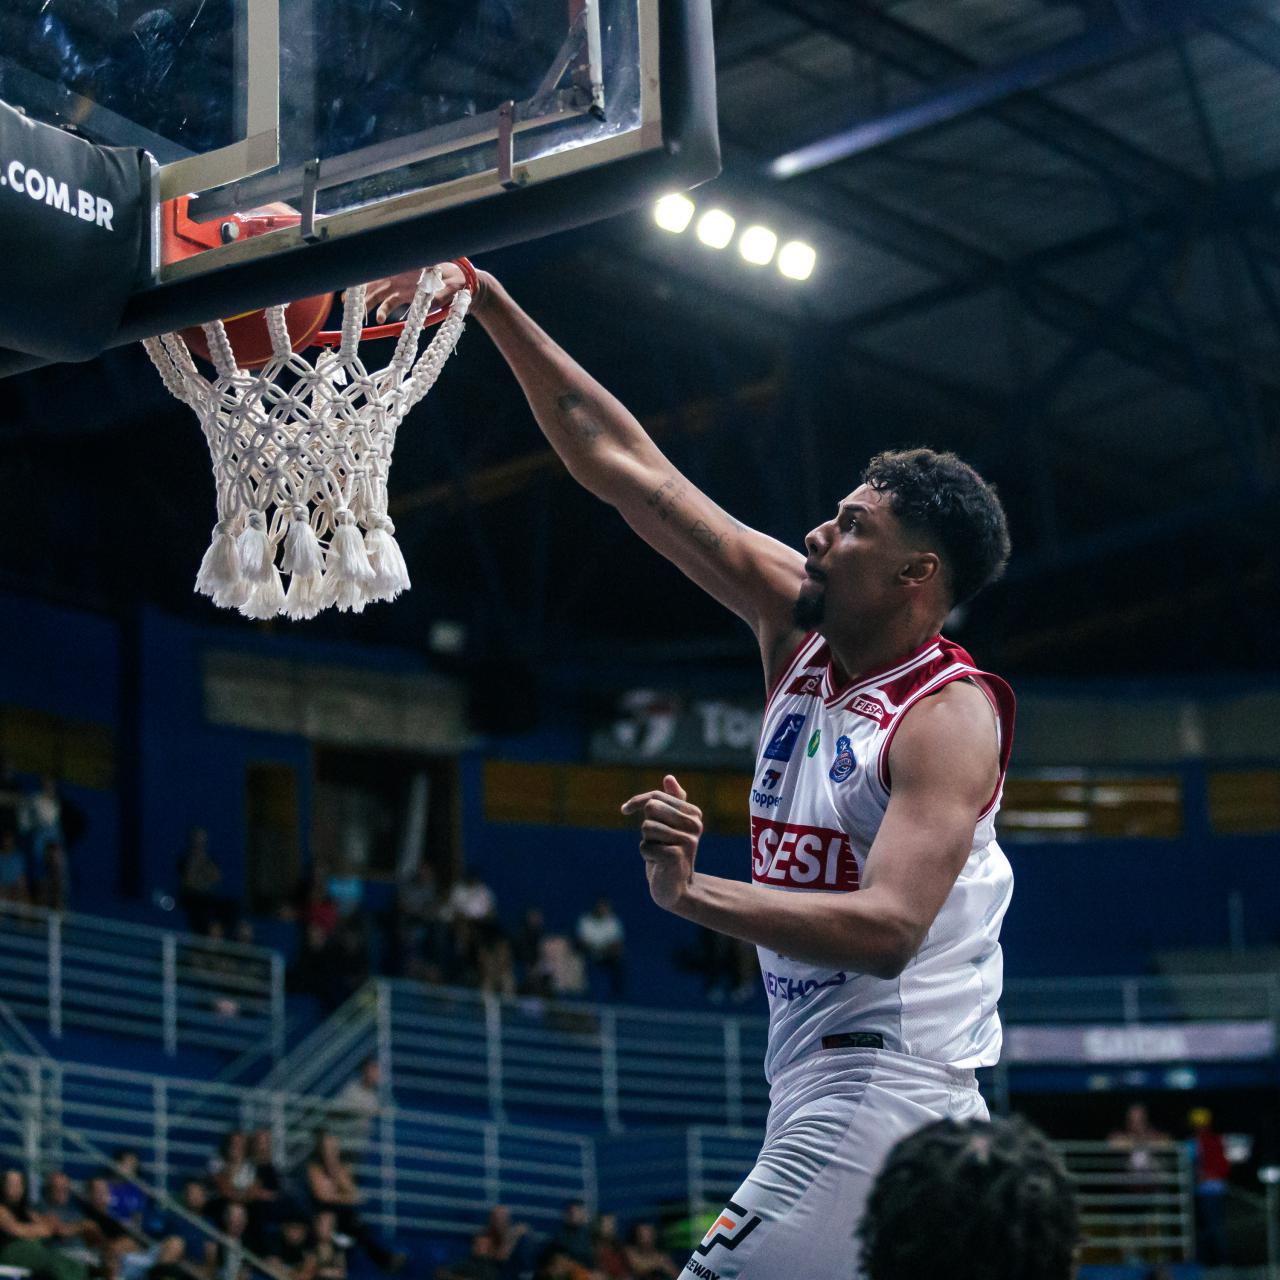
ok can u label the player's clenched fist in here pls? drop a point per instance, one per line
(670, 828)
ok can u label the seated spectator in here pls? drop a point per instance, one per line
(479, 1264)
(169, 1261)
(610, 1256)
(507, 1237)
(40, 823)
(562, 966)
(314, 905)
(199, 1249)
(198, 879)
(418, 924)
(330, 1257)
(13, 871)
(64, 1217)
(116, 1243)
(235, 1180)
(526, 947)
(496, 967)
(128, 1202)
(333, 1190)
(600, 937)
(555, 1264)
(971, 1200)
(25, 1237)
(646, 1260)
(573, 1236)
(229, 1259)
(268, 1195)
(471, 899)
(51, 891)
(356, 1106)
(292, 1252)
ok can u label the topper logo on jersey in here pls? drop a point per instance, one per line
(872, 708)
(785, 736)
(730, 1229)
(806, 686)
(770, 779)
(792, 856)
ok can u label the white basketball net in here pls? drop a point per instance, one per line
(301, 472)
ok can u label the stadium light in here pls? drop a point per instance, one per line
(715, 228)
(757, 245)
(796, 260)
(673, 213)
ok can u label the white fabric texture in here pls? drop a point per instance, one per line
(301, 451)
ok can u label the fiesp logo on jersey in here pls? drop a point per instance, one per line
(872, 708)
(789, 855)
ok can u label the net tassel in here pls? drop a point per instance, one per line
(219, 572)
(348, 576)
(265, 597)
(391, 574)
(303, 561)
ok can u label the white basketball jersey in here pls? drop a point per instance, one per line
(819, 794)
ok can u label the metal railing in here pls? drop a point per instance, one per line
(64, 971)
(1130, 1001)
(422, 1170)
(1126, 1212)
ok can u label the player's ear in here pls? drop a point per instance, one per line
(922, 568)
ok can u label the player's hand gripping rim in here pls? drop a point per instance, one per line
(389, 298)
(670, 828)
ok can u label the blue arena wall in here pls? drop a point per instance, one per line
(1088, 907)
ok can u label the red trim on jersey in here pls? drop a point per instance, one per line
(997, 692)
(832, 695)
(792, 663)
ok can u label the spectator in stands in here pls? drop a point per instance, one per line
(316, 972)
(330, 1257)
(356, 1107)
(471, 899)
(646, 1260)
(40, 822)
(507, 1238)
(600, 937)
(418, 923)
(13, 870)
(479, 1264)
(62, 1214)
(497, 969)
(292, 1253)
(526, 948)
(235, 1180)
(25, 1237)
(573, 1236)
(199, 1251)
(229, 1260)
(729, 967)
(314, 905)
(610, 1256)
(198, 879)
(1212, 1170)
(114, 1240)
(562, 965)
(169, 1261)
(964, 1200)
(51, 892)
(556, 1264)
(128, 1202)
(269, 1196)
(333, 1190)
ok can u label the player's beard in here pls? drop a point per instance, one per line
(808, 609)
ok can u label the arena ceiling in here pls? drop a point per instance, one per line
(1048, 236)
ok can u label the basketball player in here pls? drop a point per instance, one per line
(877, 887)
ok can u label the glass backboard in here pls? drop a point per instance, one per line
(355, 109)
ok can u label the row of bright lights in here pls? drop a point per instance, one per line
(757, 244)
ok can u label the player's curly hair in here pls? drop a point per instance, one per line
(971, 1200)
(947, 500)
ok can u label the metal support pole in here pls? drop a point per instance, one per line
(277, 1006)
(609, 1070)
(733, 1072)
(279, 1128)
(1129, 999)
(492, 1165)
(32, 1128)
(160, 1134)
(693, 1161)
(590, 1178)
(382, 1030)
(55, 975)
(387, 1167)
(169, 990)
(493, 1045)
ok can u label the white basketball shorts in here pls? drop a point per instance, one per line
(833, 1118)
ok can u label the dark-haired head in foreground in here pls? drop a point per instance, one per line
(921, 534)
(972, 1200)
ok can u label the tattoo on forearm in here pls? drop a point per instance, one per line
(576, 419)
(706, 536)
(665, 498)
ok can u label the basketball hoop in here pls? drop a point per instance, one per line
(301, 450)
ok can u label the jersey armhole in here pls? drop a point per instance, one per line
(997, 693)
(789, 669)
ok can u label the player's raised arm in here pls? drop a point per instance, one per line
(607, 451)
